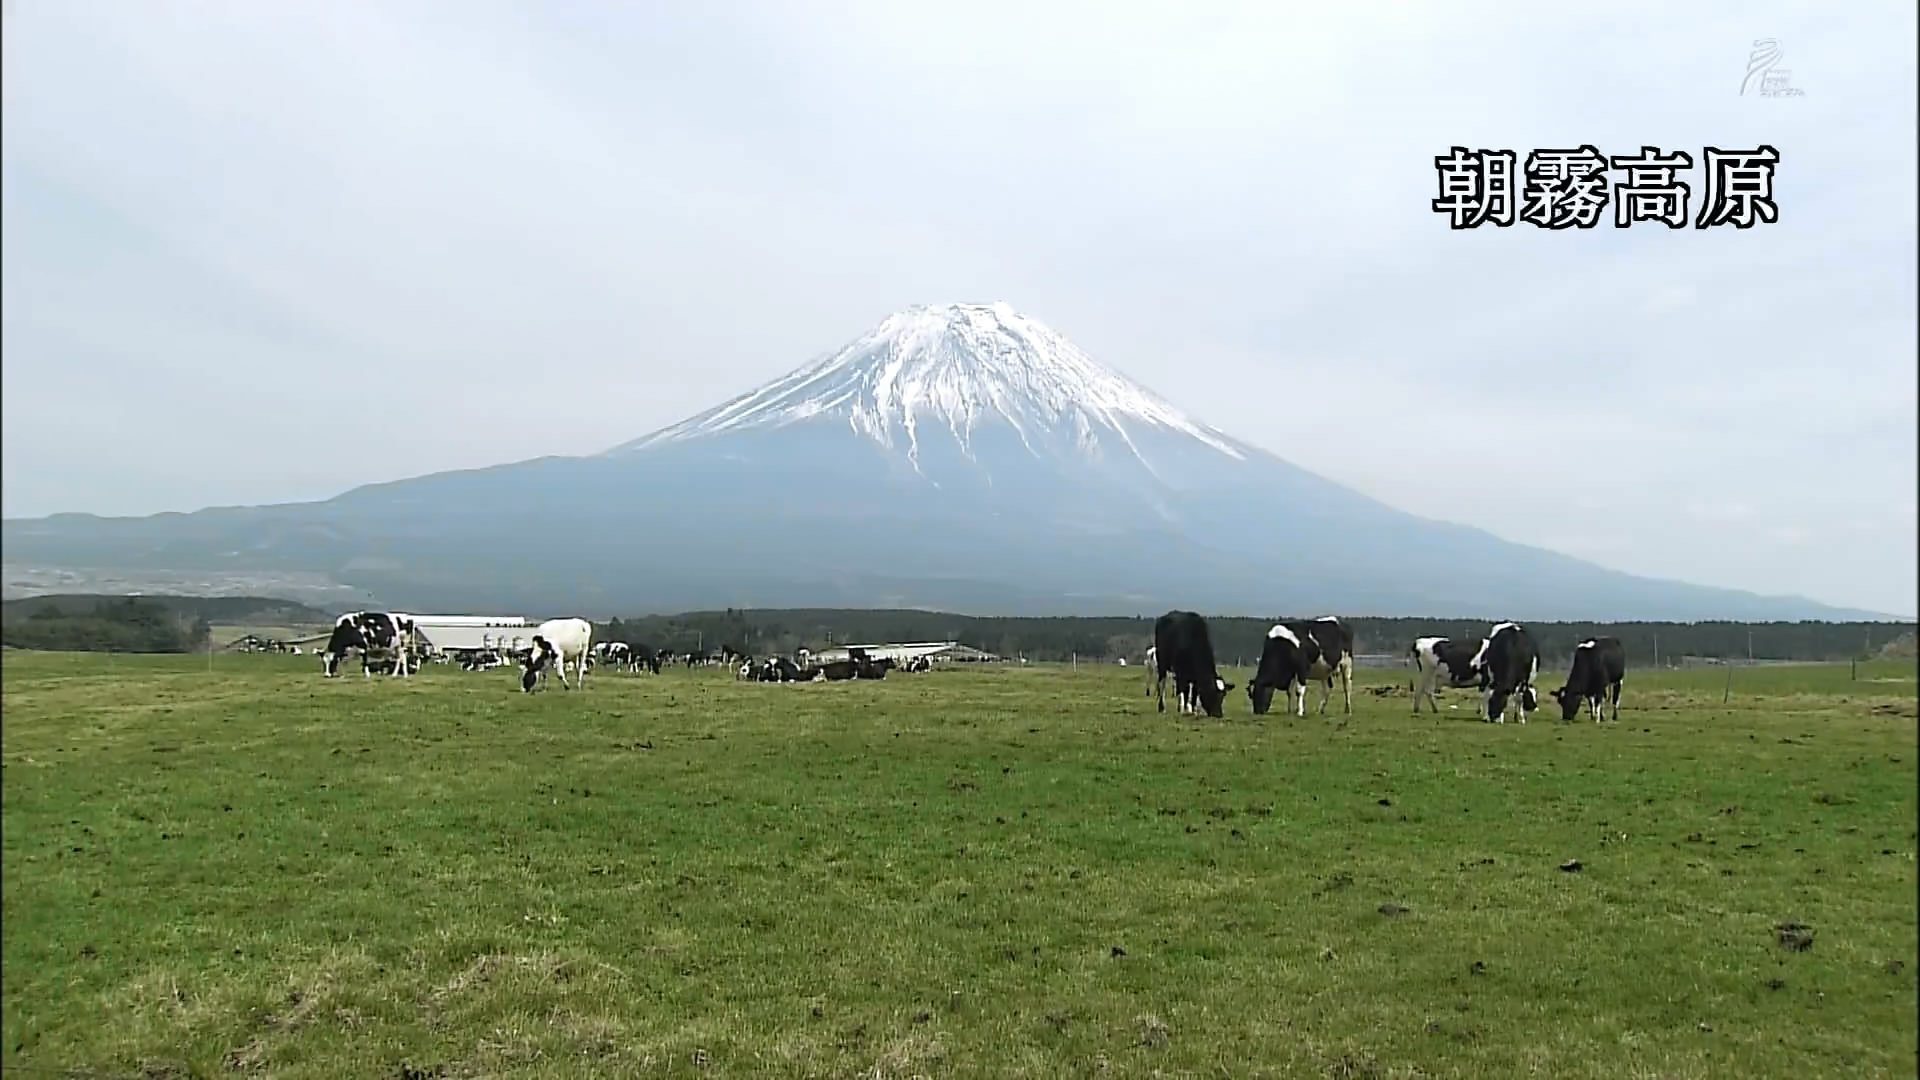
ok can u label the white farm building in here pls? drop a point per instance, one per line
(460, 633)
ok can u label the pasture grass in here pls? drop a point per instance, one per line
(985, 872)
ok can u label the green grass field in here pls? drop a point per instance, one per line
(995, 872)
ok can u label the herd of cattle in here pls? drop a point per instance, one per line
(388, 643)
(1503, 665)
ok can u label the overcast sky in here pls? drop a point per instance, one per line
(268, 252)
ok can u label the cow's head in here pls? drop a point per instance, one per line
(1569, 702)
(1260, 694)
(1213, 695)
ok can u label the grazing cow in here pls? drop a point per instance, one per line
(375, 635)
(1301, 652)
(1432, 656)
(555, 642)
(1508, 662)
(1599, 667)
(619, 654)
(917, 663)
(1183, 647)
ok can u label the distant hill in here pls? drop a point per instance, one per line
(956, 456)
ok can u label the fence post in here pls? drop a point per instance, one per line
(1728, 692)
(1853, 671)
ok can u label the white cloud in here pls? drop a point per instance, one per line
(549, 229)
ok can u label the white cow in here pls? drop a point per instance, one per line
(555, 642)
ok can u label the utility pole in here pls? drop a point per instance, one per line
(1656, 650)
(1749, 646)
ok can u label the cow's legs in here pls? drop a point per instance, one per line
(1300, 697)
(1160, 692)
(1428, 677)
(1326, 693)
(1346, 684)
(1616, 702)
(1520, 699)
(1486, 708)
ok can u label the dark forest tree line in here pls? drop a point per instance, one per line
(1236, 640)
(113, 625)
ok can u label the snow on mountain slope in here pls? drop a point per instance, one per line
(955, 369)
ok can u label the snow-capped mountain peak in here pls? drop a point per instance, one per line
(954, 368)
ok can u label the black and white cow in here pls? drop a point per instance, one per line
(1510, 663)
(1435, 657)
(781, 669)
(838, 670)
(481, 659)
(555, 642)
(378, 636)
(644, 657)
(1599, 667)
(1182, 646)
(917, 664)
(617, 655)
(866, 667)
(1301, 652)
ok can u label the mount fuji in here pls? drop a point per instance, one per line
(962, 457)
